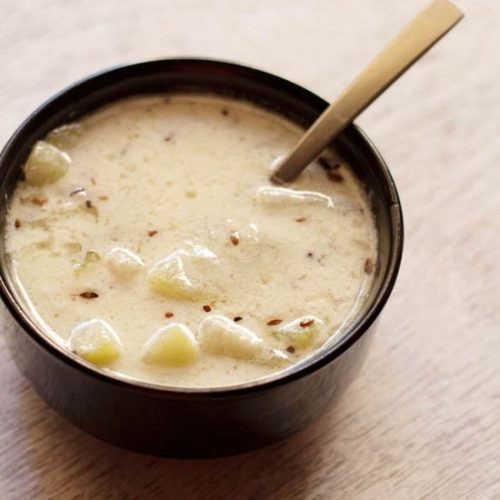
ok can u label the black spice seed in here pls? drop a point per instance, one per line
(88, 204)
(290, 349)
(89, 295)
(310, 254)
(207, 308)
(169, 314)
(17, 223)
(77, 190)
(237, 318)
(152, 233)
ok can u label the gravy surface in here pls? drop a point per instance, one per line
(157, 186)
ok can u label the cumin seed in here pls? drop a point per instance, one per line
(274, 322)
(89, 295)
(306, 323)
(328, 164)
(334, 176)
(368, 266)
(39, 201)
(234, 237)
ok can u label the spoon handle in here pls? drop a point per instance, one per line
(408, 46)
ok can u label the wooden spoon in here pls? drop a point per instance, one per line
(411, 43)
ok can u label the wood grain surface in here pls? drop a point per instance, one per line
(423, 419)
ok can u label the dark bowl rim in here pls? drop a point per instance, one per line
(302, 369)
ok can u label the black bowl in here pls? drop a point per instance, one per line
(197, 422)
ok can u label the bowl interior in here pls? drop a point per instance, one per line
(225, 79)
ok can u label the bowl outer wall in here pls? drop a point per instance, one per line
(194, 423)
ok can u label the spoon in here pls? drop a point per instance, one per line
(412, 42)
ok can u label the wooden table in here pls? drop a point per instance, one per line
(423, 419)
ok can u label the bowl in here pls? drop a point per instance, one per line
(192, 422)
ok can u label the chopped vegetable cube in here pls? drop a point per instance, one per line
(172, 345)
(45, 164)
(219, 335)
(302, 333)
(123, 263)
(96, 342)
